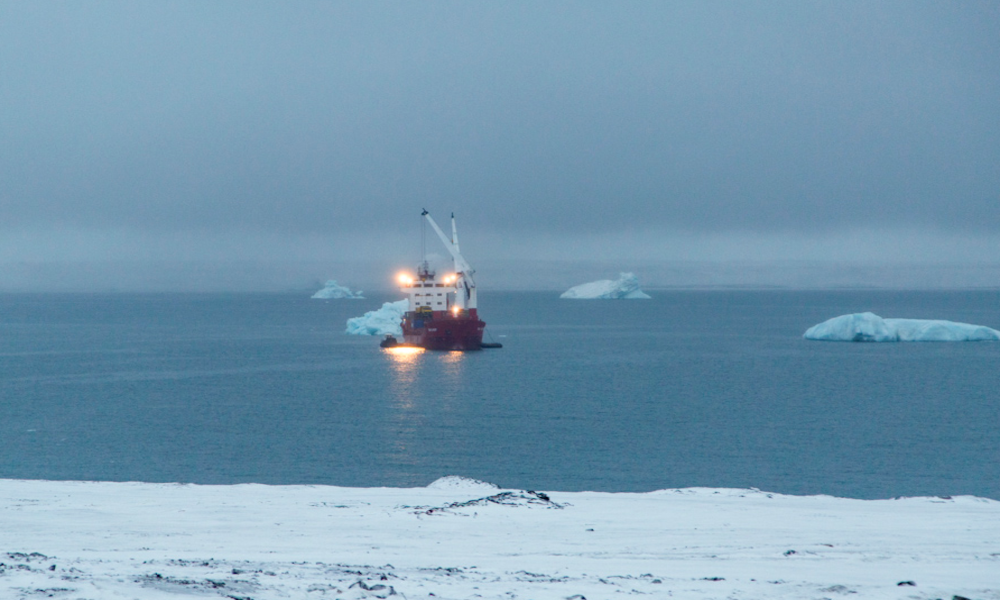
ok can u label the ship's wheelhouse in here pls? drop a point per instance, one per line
(427, 293)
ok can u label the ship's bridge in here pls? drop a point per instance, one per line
(428, 292)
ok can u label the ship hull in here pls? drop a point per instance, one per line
(443, 330)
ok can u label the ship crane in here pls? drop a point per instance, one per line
(464, 272)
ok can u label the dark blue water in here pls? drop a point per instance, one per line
(688, 389)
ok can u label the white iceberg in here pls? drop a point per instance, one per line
(333, 290)
(869, 327)
(459, 539)
(384, 321)
(626, 287)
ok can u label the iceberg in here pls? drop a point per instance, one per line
(384, 321)
(869, 327)
(333, 290)
(626, 287)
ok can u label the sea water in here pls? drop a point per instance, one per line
(691, 388)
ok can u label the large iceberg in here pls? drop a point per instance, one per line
(333, 290)
(384, 321)
(626, 287)
(869, 327)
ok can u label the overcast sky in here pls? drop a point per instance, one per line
(659, 130)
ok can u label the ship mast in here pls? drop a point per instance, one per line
(465, 285)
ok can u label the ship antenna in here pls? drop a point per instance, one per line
(423, 237)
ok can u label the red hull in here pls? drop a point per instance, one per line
(443, 330)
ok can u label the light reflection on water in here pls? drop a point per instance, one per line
(421, 383)
(404, 364)
(452, 363)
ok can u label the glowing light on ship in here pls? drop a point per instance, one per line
(403, 350)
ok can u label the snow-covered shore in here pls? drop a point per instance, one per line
(458, 539)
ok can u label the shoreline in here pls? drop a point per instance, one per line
(459, 538)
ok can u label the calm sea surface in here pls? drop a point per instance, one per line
(691, 388)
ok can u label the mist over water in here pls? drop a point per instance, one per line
(228, 146)
(495, 274)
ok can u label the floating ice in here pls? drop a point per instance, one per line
(869, 327)
(626, 287)
(384, 321)
(334, 290)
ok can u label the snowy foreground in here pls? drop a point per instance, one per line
(869, 327)
(463, 539)
(625, 287)
(384, 321)
(334, 291)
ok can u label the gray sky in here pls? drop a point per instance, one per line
(189, 131)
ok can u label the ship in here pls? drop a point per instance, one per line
(442, 313)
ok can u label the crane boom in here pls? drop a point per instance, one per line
(461, 266)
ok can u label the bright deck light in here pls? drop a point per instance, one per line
(403, 350)
(405, 279)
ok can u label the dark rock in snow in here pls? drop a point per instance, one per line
(838, 589)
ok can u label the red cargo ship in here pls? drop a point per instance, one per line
(442, 314)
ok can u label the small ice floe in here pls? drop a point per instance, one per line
(332, 290)
(384, 321)
(625, 287)
(869, 327)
